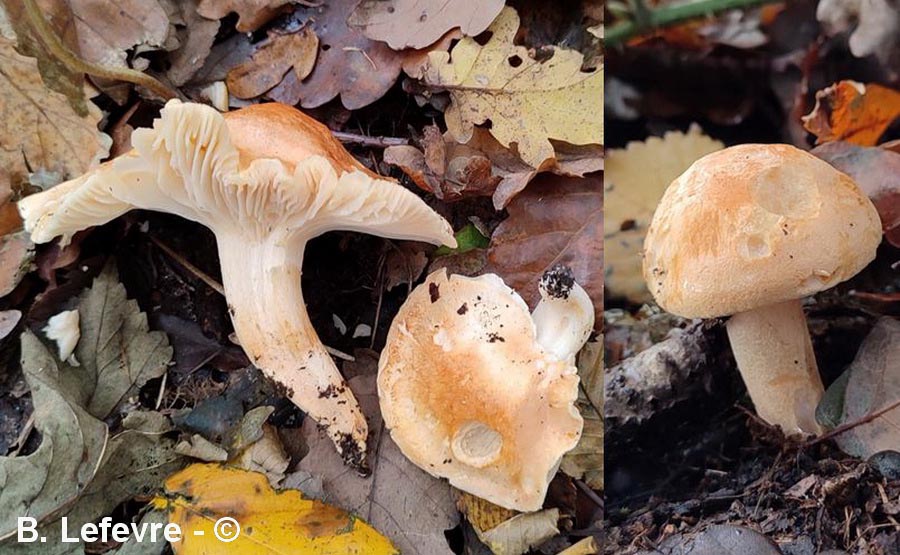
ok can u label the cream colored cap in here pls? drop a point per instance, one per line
(754, 225)
(469, 395)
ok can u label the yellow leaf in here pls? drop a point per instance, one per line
(527, 101)
(635, 180)
(271, 522)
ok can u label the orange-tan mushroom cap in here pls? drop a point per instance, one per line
(755, 225)
(469, 395)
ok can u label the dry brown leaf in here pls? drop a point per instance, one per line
(877, 171)
(527, 101)
(39, 126)
(634, 181)
(419, 23)
(107, 30)
(16, 255)
(556, 220)
(415, 61)
(483, 167)
(252, 14)
(272, 60)
(852, 112)
(195, 34)
(349, 64)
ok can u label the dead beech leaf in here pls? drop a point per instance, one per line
(268, 65)
(877, 171)
(419, 23)
(874, 383)
(271, 522)
(852, 112)
(556, 220)
(528, 102)
(634, 180)
(252, 14)
(349, 64)
(38, 127)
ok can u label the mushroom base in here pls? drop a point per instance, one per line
(774, 354)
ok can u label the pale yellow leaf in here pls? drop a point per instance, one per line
(528, 102)
(634, 181)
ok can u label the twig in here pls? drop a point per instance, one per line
(23, 435)
(591, 494)
(380, 142)
(672, 15)
(213, 284)
(850, 425)
(59, 51)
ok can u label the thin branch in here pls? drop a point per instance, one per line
(850, 425)
(59, 51)
(672, 15)
(380, 142)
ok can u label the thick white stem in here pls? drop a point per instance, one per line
(774, 354)
(262, 286)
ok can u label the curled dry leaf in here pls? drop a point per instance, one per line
(877, 171)
(252, 14)
(483, 167)
(874, 384)
(521, 533)
(419, 23)
(852, 112)
(556, 220)
(268, 65)
(349, 64)
(272, 522)
(634, 180)
(39, 129)
(528, 102)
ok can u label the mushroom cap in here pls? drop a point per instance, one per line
(469, 395)
(754, 225)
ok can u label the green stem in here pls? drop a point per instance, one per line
(59, 51)
(671, 15)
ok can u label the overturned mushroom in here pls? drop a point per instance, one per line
(750, 231)
(470, 394)
(265, 179)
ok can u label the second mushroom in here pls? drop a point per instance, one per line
(266, 179)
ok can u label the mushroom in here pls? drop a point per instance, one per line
(749, 231)
(265, 179)
(470, 394)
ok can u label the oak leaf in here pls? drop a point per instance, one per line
(853, 112)
(419, 23)
(527, 101)
(271, 522)
(252, 14)
(268, 65)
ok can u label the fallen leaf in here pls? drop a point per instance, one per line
(222, 58)
(272, 60)
(585, 461)
(116, 347)
(481, 513)
(521, 533)
(468, 238)
(195, 34)
(265, 456)
(852, 112)
(419, 23)
(72, 445)
(9, 319)
(415, 62)
(877, 172)
(16, 258)
(270, 521)
(873, 384)
(348, 64)
(528, 102)
(717, 540)
(252, 14)
(198, 447)
(404, 264)
(633, 182)
(586, 546)
(415, 516)
(108, 30)
(39, 128)
(483, 167)
(556, 220)
(56, 75)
